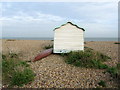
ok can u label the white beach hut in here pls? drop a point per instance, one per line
(68, 37)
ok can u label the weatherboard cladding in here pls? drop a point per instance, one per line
(68, 38)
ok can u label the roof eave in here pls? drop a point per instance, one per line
(71, 24)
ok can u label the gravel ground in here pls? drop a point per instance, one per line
(52, 71)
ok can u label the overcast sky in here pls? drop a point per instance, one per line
(28, 19)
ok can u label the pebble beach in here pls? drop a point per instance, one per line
(53, 72)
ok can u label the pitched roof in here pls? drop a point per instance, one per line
(71, 24)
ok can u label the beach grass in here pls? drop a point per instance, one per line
(117, 43)
(114, 71)
(102, 83)
(11, 40)
(88, 59)
(48, 46)
(15, 71)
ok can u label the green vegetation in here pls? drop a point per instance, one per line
(22, 63)
(13, 55)
(98, 64)
(92, 59)
(117, 43)
(114, 71)
(102, 83)
(4, 57)
(20, 78)
(10, 39)
(48, 47)
(15, 71)
(88, 58)
(63, 54)
(118, 66)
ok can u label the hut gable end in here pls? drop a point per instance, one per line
(68, 37)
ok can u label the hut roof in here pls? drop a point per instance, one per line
(71, 24)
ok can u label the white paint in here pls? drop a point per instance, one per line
(68, 38)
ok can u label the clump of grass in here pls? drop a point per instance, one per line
(85, 47)
(102, 57)
(48, 47)
(63, 54)
(10, 39)
(102, 83)
(24, 64)
(4, 56)
(20, 78)
(118, 66)
(117, 43)
(114, 71)
(88, 58)
(118, 76)
(10, 55)
(15, 71)
(98, 64)
(13, 55)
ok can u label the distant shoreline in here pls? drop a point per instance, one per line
(42, 38)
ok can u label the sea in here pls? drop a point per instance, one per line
(51, 38)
